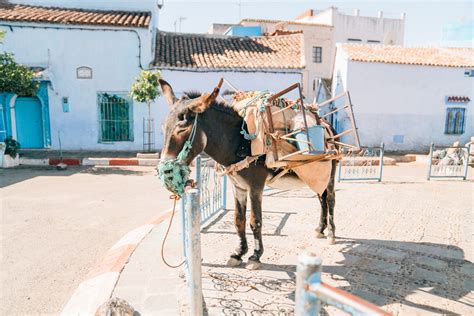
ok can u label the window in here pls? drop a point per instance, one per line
(373, 42)
(454, 121)
(469, 73)
(115, 117)
(354, 40)
(317, 54)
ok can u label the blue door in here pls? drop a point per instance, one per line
(29, 123)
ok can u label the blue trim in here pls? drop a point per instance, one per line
(42, 95)
(5, 99)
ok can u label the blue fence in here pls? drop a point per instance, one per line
(199, 206)
(311, 292)
(365, 163)
(448, 161)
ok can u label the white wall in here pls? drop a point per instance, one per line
(406, 100)
(387, 31)
(112, 55)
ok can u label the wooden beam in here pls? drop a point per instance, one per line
(282, 92)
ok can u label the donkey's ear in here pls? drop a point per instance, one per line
(205, 101)
(167, 92)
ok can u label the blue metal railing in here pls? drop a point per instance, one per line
(197, 207)
(311, 292)
(448, 161)
(363, 164)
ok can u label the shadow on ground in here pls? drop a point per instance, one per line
(22, 173)
(380, 271)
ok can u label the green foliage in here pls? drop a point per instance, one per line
(145, 88)
(2, 36)
(12, 147)
(16, 78)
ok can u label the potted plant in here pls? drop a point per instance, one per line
(10, 155)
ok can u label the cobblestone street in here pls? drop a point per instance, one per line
(404, 244)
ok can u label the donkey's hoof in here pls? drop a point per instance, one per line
(234, 262)
(253, 265)
(332, 240)
(319, 235)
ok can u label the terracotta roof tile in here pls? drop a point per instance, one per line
(427, 56)
(229, 52)
(36, 14)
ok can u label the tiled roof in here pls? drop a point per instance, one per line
(284, 32)
(461, 99)
(36, 14)
(428, 56)
(228, 52)
(283, 21)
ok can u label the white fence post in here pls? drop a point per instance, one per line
(193, 251)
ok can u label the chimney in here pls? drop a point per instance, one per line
(356, 12)
(305, 14)
(403, 16)
(380, 15)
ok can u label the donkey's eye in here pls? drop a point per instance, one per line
(181, 116)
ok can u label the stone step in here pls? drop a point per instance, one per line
(148, 155)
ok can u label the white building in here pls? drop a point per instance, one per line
(86, 53)
(322, 30)
(407, 97)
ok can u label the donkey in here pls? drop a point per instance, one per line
(218, 134)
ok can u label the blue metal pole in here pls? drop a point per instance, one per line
(430, 160)
(339, 173)
(466, 162)
(183, 225)
(382, 149)
(308, 272)
(193, 249)
(198, 171)
(224, 193)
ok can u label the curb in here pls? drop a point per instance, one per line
(100, 282)
(89, 161)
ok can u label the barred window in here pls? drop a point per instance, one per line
(115, 117)
(454, 121)
(317, 54)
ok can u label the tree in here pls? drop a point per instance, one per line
(145, 89)
(2, 36)
(16, 78)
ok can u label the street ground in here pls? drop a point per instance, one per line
(404, 244)
(55, 225)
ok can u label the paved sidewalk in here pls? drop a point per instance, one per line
(403, 244)
(150, 286)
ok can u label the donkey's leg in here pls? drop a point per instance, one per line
(256, 226)
(331, 202)
(324, 214)
(239, 221)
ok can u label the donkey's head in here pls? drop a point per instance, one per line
(181, 125)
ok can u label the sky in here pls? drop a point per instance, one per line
(425, 20)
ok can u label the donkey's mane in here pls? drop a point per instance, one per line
(217, 105)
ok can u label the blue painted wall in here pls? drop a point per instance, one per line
(245, 31)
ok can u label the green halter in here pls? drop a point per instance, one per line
(174, 173)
